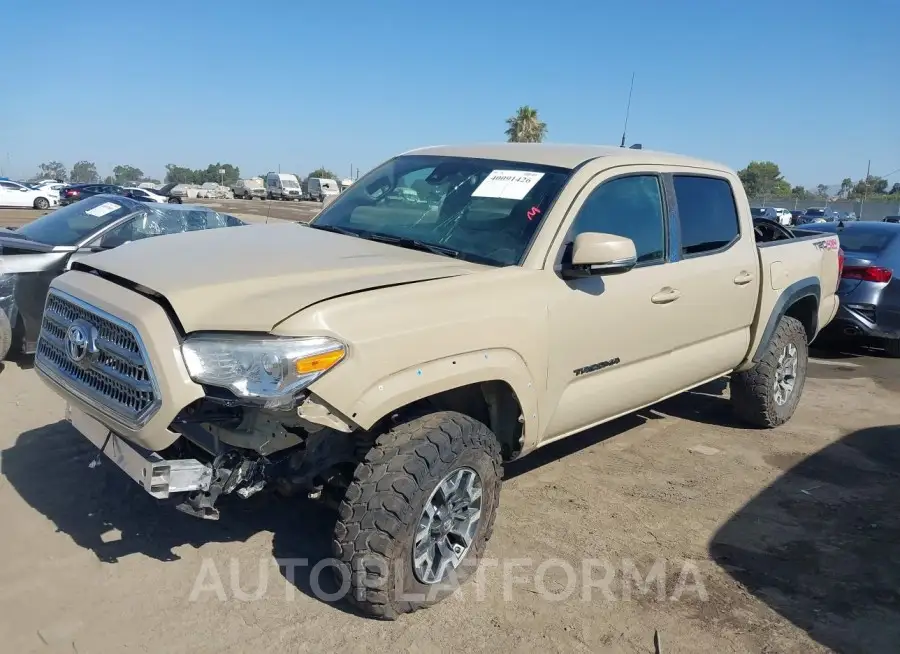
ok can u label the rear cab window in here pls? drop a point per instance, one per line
(707, 214)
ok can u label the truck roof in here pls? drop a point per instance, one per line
(562, 155)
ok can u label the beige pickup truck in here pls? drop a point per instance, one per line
(390, 356)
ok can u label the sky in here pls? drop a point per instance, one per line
(809, 84)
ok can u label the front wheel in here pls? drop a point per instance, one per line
(417, 516)
(767, 394)
(42, 203)
(174, 200)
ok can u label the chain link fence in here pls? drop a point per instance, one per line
(870, 210)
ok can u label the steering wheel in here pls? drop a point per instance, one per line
(768, 230)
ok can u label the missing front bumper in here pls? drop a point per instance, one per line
(158, 476)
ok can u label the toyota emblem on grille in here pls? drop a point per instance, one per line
(80, 341)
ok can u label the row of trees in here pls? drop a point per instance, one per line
(764, 179)
(85, 172)
(221, 173)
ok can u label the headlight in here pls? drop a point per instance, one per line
(267, 369)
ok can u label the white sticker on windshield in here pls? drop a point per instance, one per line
(507, 184)
(102, 209)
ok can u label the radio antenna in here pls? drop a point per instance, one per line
(627, 112)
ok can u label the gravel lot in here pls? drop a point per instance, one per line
(791, 534)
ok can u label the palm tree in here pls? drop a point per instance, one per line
(525, 127)
(846, 186)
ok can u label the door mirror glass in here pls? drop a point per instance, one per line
(594, 253)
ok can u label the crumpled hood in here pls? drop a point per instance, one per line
(251, 278)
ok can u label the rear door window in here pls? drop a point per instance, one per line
(707, 213)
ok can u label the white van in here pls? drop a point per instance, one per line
(319, 187)
(282, 186)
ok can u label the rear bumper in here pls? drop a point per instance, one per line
(855, 323)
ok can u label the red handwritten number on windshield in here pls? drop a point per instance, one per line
(534, 211)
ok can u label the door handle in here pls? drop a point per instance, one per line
(665, 295)
(743, 277)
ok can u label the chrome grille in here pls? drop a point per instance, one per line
(116, 374)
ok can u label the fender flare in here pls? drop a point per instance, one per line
(403, 387)
(807, 287)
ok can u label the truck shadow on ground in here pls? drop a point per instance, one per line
(819, 546)
(48, 467)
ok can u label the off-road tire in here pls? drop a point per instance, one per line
(373, 537)
(41, 204)
(6, 335)
(892, 347)
(753, 390)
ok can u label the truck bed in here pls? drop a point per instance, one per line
(803, 268)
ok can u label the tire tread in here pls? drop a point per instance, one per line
(380, 502)
(750, 394)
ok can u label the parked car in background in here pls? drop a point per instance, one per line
(14, 194)
(168, 191)
(76, 192)
(869, 291)
(50, 187)
(320, 187)
(144, 194)
(248, 189)
(283, 186)
(891, 219)
(779, 215)
(847, 216)
(796, 215)
(818, 215)
(32, 255)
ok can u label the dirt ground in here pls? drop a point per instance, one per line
(720, 539)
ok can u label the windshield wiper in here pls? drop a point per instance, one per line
(399, 241)
(334, 229)
(412, 244)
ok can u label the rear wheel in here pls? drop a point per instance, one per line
(417, 516)
(42, 203)
(768, 394)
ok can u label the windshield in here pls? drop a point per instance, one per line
(815, 212)
(487, 211)
(757, 212)
(290, 183)
(72, 224)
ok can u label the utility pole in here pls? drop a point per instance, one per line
(865, 190)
